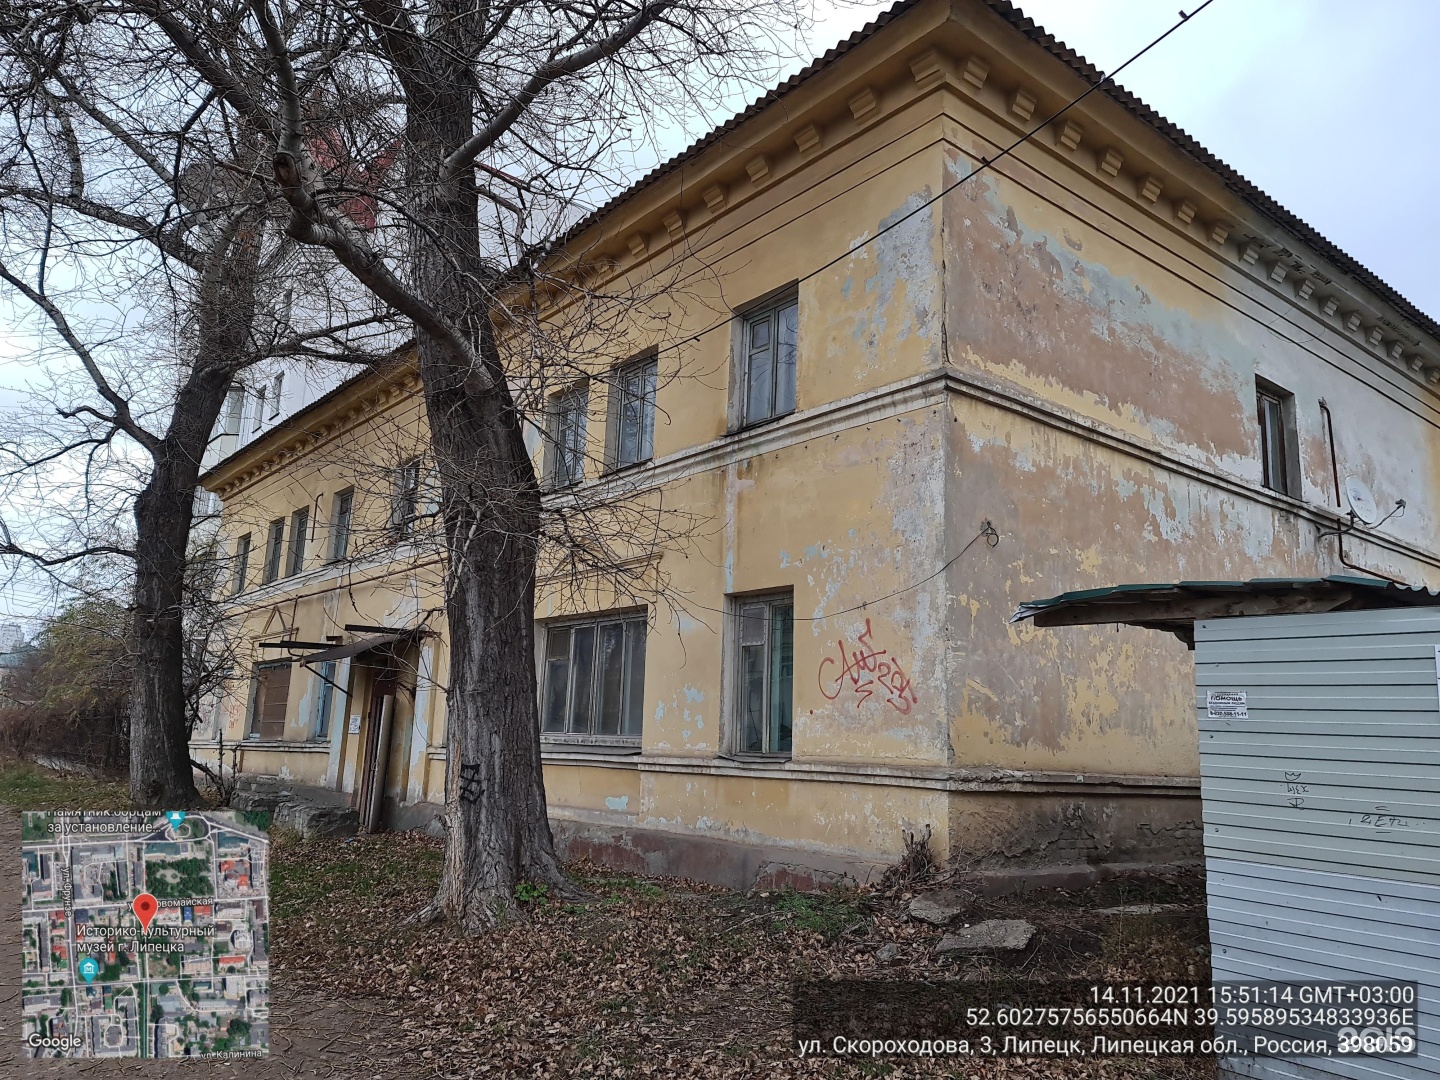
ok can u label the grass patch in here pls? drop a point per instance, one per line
(829, 914)
(620, 887)
(25, 786)
(306, 874)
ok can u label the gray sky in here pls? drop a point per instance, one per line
(1322, 103)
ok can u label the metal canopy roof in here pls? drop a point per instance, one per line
(362, 645)
(1174, 607)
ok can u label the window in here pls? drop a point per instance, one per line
(259, 409)
(299, 526)
(765, 636)
(276, 385)
(632, 414)
(567, 437)
(767, 355)
(593, 683)
(340, 525)
(269, 695)
(405, 500)
(323, 700)
(1279, 440)
(242, 564)
(274, 549)
(234, 410)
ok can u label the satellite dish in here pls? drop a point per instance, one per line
(1362, 503)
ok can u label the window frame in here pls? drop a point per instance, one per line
(233, 418)
(556, 450)
(299, 534)
(630, 621)
(325, 700)
(735, 675)
(259, 410)
(1279, 450)
(405, 498)
(646, 368)
(274, 551)
(243, 544)
(260, 699)
(340, 525)
(766, 307)
(277, 384)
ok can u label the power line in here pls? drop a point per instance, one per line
(985, 163)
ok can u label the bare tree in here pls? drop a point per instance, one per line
(504, 119)
(139, 229)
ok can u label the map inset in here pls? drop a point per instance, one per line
(145, 934)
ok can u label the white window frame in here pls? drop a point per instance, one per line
(274, 551)
(299, 534)
(405, 499)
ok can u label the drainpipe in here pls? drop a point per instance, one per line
(382, 764)
(1340, 526)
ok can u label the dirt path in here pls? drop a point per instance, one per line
(346, 1039)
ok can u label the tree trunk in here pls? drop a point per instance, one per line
(160, 772)
(498, 834)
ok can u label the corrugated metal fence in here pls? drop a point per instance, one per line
(1322, 810)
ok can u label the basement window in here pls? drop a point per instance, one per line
(765, 673)
(1279, 439)
(592, 683)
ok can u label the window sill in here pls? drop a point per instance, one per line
(752, 758)
(596, 744)
(616, 470)
(755, 425)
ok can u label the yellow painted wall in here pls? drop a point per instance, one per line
(1048, 348)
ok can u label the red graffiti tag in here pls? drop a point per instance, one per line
(867, 671)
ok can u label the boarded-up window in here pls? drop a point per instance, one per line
(270, 693)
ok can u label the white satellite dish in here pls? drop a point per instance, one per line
(1362, 503)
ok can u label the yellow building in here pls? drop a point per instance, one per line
(1105, 358)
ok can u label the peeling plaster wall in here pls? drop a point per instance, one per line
(1033, 350)
(1104, 420)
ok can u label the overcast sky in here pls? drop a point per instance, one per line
(1325, 104)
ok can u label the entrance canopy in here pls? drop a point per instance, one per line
(402, 638)
(1176, 606)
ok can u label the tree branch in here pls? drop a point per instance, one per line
(543, 76)
(312, 223)
(123, 418)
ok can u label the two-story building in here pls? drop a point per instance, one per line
(938, 389)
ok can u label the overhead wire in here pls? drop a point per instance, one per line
(987, 530)
(985, 164)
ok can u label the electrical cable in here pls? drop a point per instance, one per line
(987, 530)
(985, 163)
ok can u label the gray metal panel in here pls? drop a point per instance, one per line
(1322, 812)
(1282, 924)
(1337, 765)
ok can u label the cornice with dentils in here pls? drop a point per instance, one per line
(993, 56)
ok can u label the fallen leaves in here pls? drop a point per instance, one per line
(659, 977)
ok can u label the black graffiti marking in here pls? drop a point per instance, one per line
(471, 787)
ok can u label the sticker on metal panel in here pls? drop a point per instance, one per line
(1230, 704)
